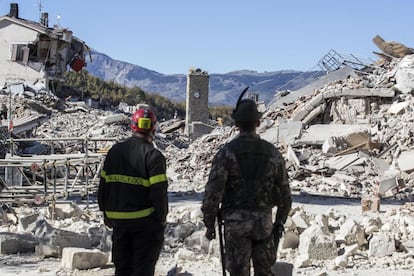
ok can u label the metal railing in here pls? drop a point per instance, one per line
(49, 177)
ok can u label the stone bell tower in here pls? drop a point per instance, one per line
(196, 102)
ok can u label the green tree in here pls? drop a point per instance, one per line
(111, 93)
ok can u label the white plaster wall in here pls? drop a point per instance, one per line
(9, 34)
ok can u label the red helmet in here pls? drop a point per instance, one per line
(143, 120)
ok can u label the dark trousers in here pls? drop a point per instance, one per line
(248, 241)
(135, 249)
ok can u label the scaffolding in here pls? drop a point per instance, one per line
(333, 60)
(41, 179)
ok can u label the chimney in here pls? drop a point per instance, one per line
(44, 19)
(14, 10)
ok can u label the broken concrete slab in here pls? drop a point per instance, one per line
(303, 261)
(391, 48)
(300, 221)
(314, 113)
(62, 210)
(286, 133)
(380, 165)
(386, 184)
(81, 258)
(408, 246)
(27, 221)
(271, 135)
(329, 146)
(358, 138)
(341, 261)
(12, 243)
(45, 251)
(26, 123)
(364, 92)
(381, 245)
(405, 74)
(340, 74)
(292, 157)
(397, 108)
(350, 233)
(406, 161)
(317, 134)
(290, 131)
(49, 235)
(316, 105)
(317, 244)
(197, 240)
(110, 119)
(172, 126)
(341, 162)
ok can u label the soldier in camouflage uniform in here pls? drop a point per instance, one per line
(248, 178)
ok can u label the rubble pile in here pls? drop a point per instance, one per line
(53, 118)
(332, 239)
(366, 153)
(329, 239)
(86, 123)
(351, 139)
(188, 167)
(359, 145)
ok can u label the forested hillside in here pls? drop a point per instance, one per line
(82, 85)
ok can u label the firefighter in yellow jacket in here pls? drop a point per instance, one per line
(133, 196)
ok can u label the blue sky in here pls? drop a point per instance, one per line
(221, 36)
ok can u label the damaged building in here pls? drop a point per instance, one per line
(36, 53)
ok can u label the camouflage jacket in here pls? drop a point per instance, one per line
(248, 175)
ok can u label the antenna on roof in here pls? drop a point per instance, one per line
(58, 17)
(40, 6)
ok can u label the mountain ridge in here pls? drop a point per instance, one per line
(223, 89)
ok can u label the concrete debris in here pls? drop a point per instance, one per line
(392, 48)
(317, 243)
(350, 138)
(12, 243)
(80, 258)
(47, 251)
(351, 233)
(406, 161)
(370, 204)
(404, 75)
(381, 245)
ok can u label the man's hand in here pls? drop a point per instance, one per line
(210, 233)
(278, 230)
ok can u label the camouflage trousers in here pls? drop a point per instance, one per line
(242, 248)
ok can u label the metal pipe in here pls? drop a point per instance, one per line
(66, 178)
(86, 175)
(44, 177)
(54, 179)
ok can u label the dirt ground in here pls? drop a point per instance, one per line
(29, 264)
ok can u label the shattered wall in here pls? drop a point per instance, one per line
(9, 69)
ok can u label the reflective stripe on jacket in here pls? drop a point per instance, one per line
(133, 182)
